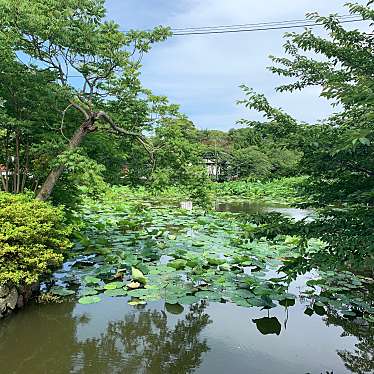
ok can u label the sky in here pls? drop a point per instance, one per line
(202, 73)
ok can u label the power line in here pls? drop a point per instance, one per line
(295, 23)
(287, 25)
(257, 28)
(273, 23)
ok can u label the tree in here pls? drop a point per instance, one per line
(338, 154)
(251, 163)
(72, 38)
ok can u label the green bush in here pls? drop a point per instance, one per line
(33, 237)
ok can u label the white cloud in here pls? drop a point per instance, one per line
(202, 73)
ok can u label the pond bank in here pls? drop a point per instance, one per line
(13, 298)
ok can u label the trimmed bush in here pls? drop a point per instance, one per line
(33, 237)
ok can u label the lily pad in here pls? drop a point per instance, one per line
(135, 302)
(177, 264)
(137, 275)
(89, 300)
(88, 291)
(188, 300)
(114, 285)
(91, 280)
(61, 291)
(115, 292)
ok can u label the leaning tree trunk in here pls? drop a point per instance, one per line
(54, 175)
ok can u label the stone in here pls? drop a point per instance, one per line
(3, 306)
(4, 290)
(20, 302)
(12, 298)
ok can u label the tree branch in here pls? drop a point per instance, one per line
(140, 137)
(78, 107)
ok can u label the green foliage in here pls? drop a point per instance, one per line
(347, 233)
(33, 238)
(198, 185)
(82, 176)
(337, 154)
(251, 163)
(282, 190)
(43, 109)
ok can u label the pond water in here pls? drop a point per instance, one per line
(207, 337)
(113, 337)
(248, 206)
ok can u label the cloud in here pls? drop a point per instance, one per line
(202, 73)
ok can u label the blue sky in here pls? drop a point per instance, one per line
(202, 73)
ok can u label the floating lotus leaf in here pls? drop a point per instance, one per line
(137, 275)
(89, 300)
(135, 302)
(114, 285)
(61, 291)
(91, 280)
(88, 291)
(115, 292)
(188, 300)
(177, 264)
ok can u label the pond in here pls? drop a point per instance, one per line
(249, 206)
(207, 301)
(113, 337)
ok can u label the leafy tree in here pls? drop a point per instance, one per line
(251, 163)
(337, 154)
(56, 41)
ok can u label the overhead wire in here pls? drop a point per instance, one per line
(258, 28)
(251, 27)
(257, 24)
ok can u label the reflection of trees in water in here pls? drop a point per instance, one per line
(361, 360)
(144, 343)
(38, 340)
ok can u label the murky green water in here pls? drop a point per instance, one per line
(207, 337)
(113, 337)
(257, 207)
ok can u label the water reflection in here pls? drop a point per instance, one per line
(112, 337)
(45, 339)
(253, 207)
(268, 325)
(361, 359)
(38, 340)
(144, 343)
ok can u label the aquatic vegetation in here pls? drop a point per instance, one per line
(146, 252)
(283, 189)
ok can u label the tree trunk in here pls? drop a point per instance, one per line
(49, 184)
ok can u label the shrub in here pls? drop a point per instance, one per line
(33, 237)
